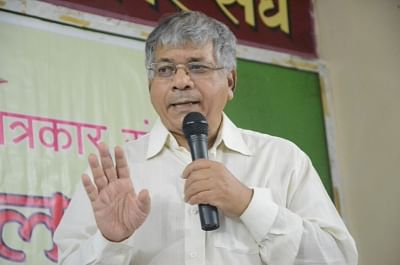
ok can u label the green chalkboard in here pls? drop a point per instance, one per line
(283, 102)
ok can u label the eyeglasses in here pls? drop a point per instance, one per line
(167, 70)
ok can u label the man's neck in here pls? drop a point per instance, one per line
(181, 140)
(212, 136)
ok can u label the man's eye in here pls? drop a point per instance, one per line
(198, 68)
(165, 69)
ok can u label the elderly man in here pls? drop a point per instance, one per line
(272, 206)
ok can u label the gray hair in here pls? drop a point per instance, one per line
(180, 29)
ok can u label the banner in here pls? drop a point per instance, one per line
(282, 25)
(62, 91)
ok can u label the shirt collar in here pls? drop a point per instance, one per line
(157, 138)
(228, 134)
(231, 137)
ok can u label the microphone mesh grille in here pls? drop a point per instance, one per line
(194, 123)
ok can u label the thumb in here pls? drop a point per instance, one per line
(145, 201)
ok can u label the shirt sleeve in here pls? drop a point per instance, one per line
(307, 230)
(80, 242)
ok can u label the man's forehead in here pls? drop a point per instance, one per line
(188, 52)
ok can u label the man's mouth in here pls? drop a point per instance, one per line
(185, 103)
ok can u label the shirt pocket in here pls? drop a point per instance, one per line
(233, 236)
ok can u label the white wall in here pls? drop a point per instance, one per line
(359, 41)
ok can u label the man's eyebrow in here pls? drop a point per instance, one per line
(167, 60)
(190, 59)
(196, 59)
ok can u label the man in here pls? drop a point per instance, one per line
(272, 206)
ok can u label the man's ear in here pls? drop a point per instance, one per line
(231, 83)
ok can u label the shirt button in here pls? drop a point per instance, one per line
(195, 211)
(193, 254)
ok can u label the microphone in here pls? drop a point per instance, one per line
(195, 128)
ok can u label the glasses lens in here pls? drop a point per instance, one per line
(164, 69)
(194, 69)
(198, 68)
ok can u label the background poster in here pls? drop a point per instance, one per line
(61, 93)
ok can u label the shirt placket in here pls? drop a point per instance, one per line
(194, 235)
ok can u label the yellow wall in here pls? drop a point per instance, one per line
(359, 41)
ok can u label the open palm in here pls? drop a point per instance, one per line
(118, 210)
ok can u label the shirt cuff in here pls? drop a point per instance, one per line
(260, 214)
(104, 250)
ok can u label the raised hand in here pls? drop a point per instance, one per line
(118, 210)
(209, 182)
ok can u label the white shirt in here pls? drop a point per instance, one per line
(290, 219)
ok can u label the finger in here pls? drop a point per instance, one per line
(198, 175)
(197, 187)
(91, 190)
(196, 165)
(107, 163)
(99, 178)
(121, 164)
(204, 197)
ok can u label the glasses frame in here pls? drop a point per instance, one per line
(206, 68)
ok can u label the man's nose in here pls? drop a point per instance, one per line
(182, 79)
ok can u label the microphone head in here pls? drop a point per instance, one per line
(194, 123)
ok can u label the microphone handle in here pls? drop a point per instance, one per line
(209, 218)
(198, 146)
